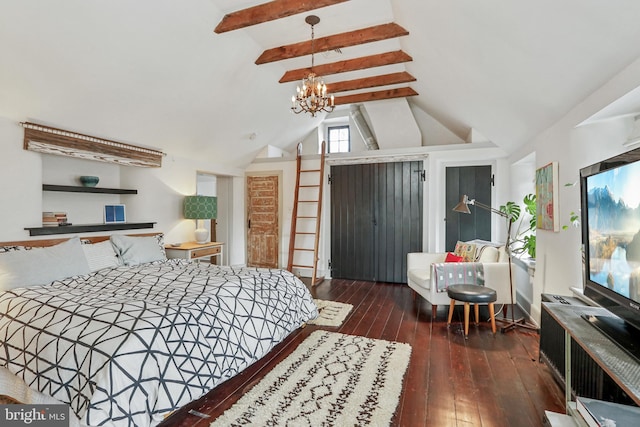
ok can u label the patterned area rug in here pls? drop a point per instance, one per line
(331, 379)
(330, 313)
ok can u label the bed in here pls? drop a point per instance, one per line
(137, 336)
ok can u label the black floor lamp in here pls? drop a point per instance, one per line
(463, 207)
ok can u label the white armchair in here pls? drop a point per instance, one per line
(494, 263)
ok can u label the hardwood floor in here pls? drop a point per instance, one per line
(485, 380)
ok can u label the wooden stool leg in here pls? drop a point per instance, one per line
(493, 318)
(476, 312)
(466, 318)
(451, 307)
(434, 310)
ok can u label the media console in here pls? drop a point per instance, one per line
(622, 369)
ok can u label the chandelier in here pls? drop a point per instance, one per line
(312, 96)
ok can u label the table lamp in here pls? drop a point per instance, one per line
(200, 208)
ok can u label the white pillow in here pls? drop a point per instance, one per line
(39, 266)
(101, 255)
(137, 250)
(503, 255)
(488, 254)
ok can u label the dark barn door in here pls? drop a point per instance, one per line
(475, 182)
(376, 219)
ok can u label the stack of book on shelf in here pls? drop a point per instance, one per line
(54, 219)
(597, 413)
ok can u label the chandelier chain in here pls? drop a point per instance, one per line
(312, 47)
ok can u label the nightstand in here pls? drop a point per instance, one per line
(193, 250)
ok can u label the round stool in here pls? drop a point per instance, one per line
(472, 294)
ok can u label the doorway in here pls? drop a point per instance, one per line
(263, 220)
(475, 182)
(376, 219)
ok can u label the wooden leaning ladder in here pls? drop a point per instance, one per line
(308, 194)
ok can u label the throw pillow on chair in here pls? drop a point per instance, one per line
(466, 250)
(453, 258)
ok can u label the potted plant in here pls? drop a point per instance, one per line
(523, 239)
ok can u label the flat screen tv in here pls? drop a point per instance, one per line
(610, 215)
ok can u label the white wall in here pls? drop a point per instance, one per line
(83, 208)
(161, 193)
(230, 218)
(159, 198)
(433, 132)
(393, 124)
(20, 184)
(558, 262)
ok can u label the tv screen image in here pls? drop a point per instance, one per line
(613, 209)
(610, 201)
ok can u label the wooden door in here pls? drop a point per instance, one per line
(352, 222)
(475, 182)
(376, 219)
(263, 231)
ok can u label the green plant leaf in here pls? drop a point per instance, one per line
(575, 219)
(512, 210)
(530, 203)
(524, 239)
(530, 245)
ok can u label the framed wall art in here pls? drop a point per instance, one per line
(547, 197)
(114, 214)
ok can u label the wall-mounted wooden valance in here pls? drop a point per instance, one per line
(45, 139)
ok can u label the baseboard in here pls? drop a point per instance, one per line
(535, 313)
(528, 315)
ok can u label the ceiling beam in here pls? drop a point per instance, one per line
(375, 96)
(268, 12)
(367, 82)
(336, 41)
(355, 64)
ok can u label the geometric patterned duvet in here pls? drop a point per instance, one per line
(124, 346)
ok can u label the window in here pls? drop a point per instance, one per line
(339, 139)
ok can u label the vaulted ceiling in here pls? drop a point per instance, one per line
(273, 10)
(213, 78)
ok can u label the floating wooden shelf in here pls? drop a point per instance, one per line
(87, 228)
(80, 189)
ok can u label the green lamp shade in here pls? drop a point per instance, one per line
(200, 207)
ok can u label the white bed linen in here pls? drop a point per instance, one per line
(127, 345)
